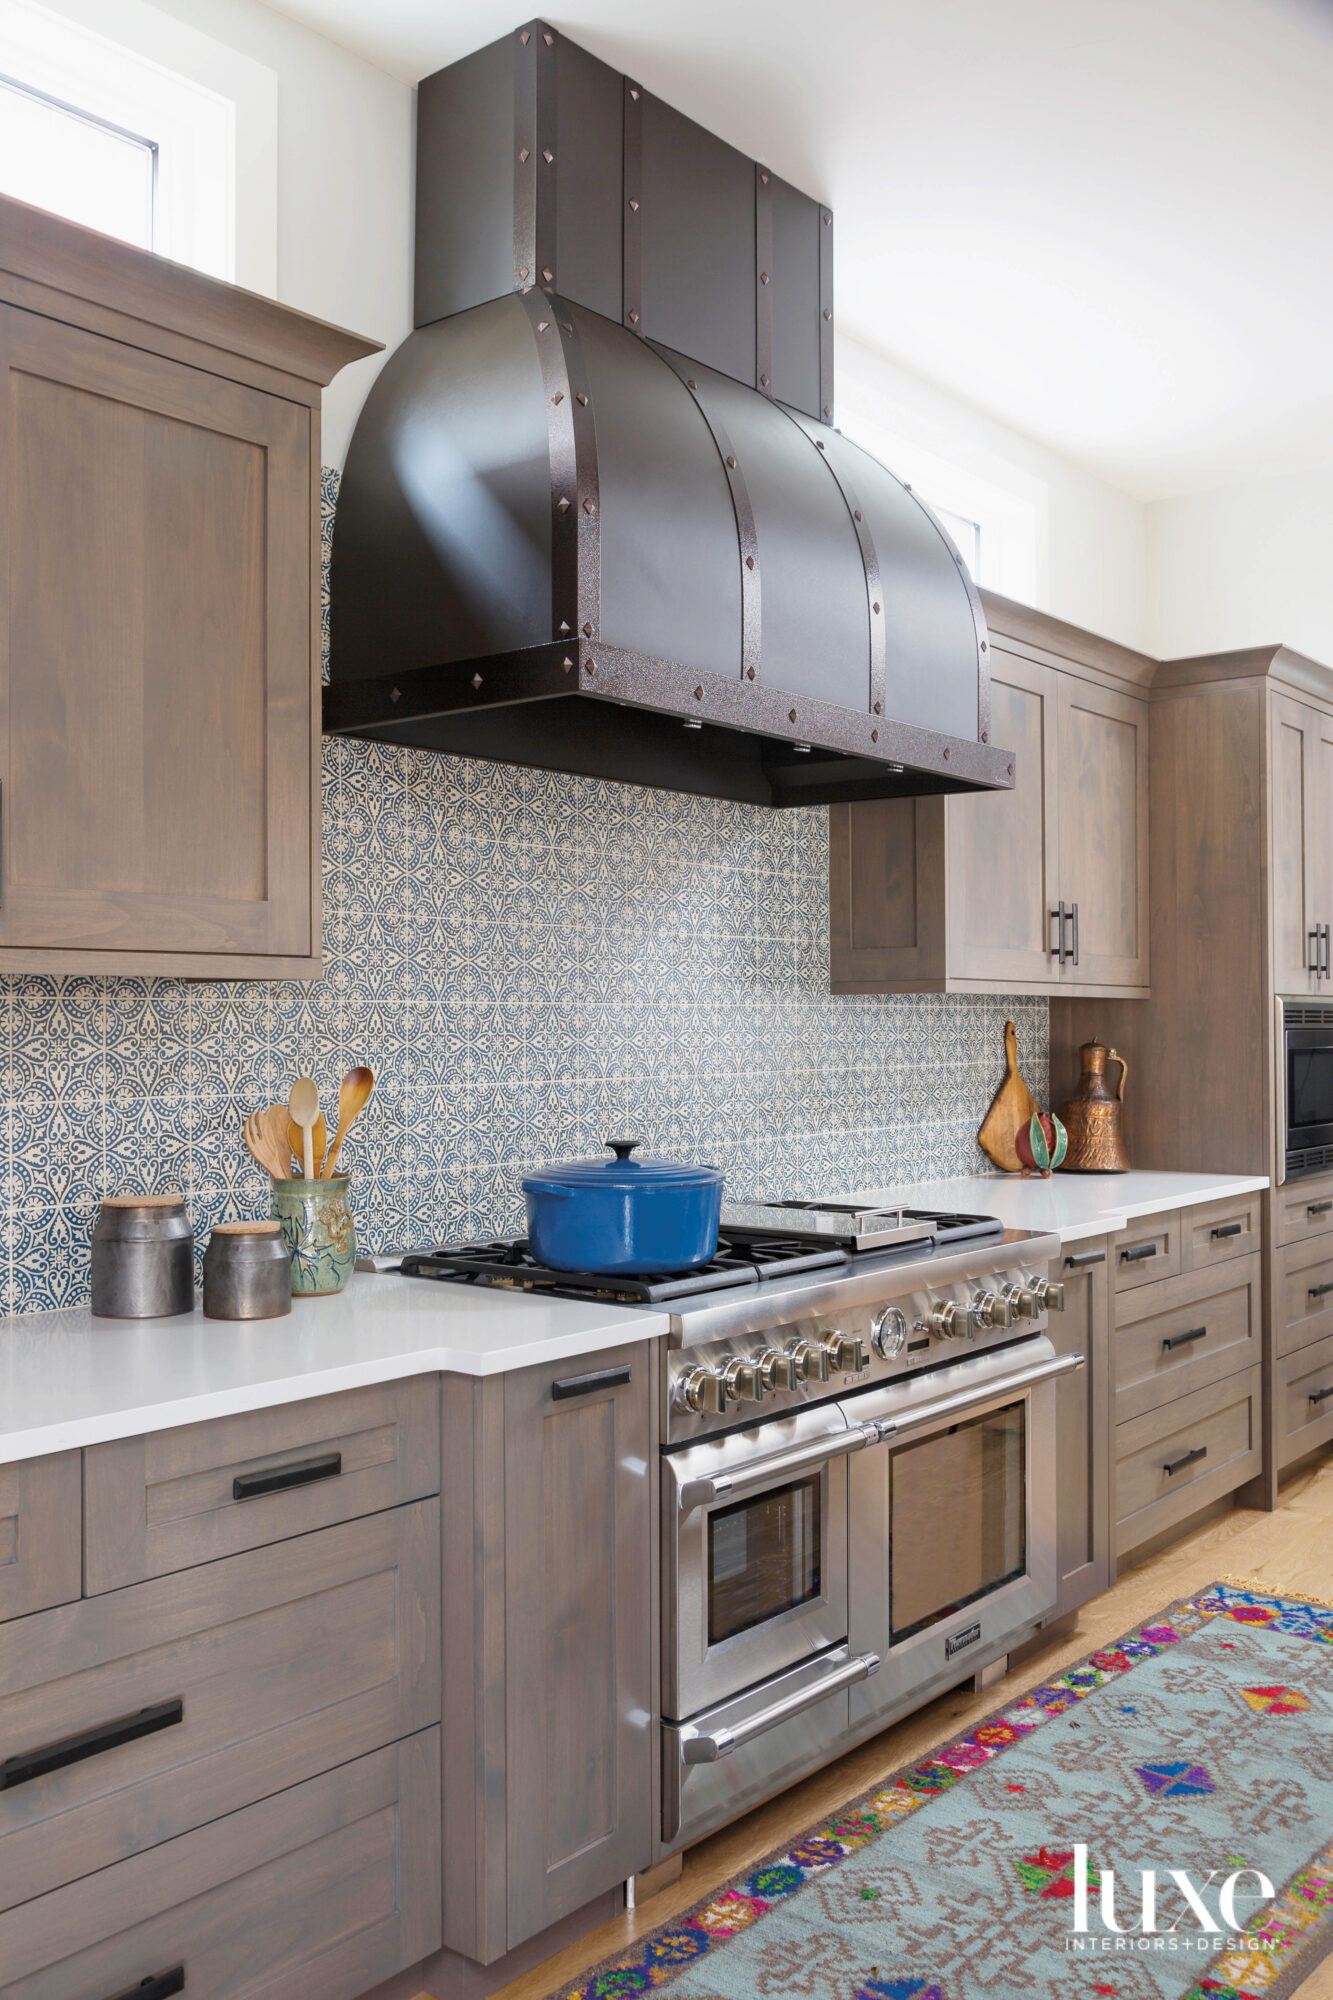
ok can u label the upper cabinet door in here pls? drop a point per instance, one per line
(1319, 848)
(1004, 857)
(1295, 755)
(1104, 833)
(156, 686)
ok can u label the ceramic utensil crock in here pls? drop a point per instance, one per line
(318, 1230)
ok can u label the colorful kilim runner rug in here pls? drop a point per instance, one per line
(1199, 1748)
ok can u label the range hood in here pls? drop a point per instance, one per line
(594, 517)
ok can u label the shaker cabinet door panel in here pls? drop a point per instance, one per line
(1004, 846)
(1083, 1425)
(1104, 831)
(1320, 847)
(1293, 761)
(579, 1595)
(155, 665)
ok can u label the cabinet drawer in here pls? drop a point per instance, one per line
(1304, 1294)
(255, 1673)
(1173, 1338)
(1221, 1422)
(1218, 1230)
(165, 1502)
(1148, 1250)
(314, 1894)
(41, 1533)
(1303, 1395)
(1303, 1208)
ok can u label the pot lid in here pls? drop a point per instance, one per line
(625, 1172)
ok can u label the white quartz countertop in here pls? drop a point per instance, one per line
(1072, 1205)
(67, 1379)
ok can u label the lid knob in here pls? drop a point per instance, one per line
(622, 1148)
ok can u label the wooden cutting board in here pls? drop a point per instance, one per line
(1011, 1109)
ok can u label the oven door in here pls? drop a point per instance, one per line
(952, 1536)
(754, 1555)
(1308, 1092)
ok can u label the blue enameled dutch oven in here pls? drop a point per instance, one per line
(633, 1216)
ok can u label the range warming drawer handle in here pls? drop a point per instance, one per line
(763, 1471)
(708, 1748)
(993, 1391)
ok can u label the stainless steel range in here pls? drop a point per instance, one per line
(857, 1464)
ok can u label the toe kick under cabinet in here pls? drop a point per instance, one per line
(220, 1744)
(1188, 1373)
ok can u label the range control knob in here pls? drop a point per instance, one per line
(949, 1322)
(1022, 1301)
(703, 1391)
(1050, 1297)
(777, 1369)
(845, 1351)
(809, 1361)
(888, 1332)
(744, 1382)
(992, 1309)
(1038, 1297)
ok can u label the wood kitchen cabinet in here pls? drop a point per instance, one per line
(1042, 889)
(1083, 1425)
(159, 672)
(1301, 740)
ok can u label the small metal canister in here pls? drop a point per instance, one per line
(143, 1257)
(247, 1272)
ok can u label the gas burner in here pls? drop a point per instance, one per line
(852, 1225)
(511, 1264)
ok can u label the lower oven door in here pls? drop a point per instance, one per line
(952, 1533)
(754, 1556)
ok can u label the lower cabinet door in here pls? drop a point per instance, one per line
(1083, 1425)
(315, 1894)
(580, 1579)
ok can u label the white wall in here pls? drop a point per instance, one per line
(344, 173)
(1091, 560)
(1243, 565)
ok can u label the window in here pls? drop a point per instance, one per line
(101, 131)
(61, 158)
(966, 538)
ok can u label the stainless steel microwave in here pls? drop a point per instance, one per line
(1305, 1083)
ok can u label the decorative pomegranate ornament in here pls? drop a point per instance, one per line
(1041, 1144)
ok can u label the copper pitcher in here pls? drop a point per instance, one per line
(1094, 1116)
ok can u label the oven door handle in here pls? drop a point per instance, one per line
(762, 1471)
(993, 1391)
(708, 1746)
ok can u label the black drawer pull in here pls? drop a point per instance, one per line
(1322, 1395)
(1183, 1339)
(1227, 1229)
(1320, 1291)
(1190, 1458)
(249, 1485)
(65, 1750)
(1138, 1253)
(584, 1385)
(1082, 1257)
(157, 1986)
(1318, 1207)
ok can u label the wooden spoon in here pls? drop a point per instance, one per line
(353, 1097)
(303, 1105)
(319, 1138)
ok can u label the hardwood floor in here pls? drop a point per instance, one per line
(1290, 1549)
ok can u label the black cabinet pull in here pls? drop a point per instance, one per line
(1183, 1339)
(249, 1485)
(1227, 1229)
(1057, 950)
(1314, 942)
(1190, 1458)
(1318, 1207)
(29, 1764)
(1321, 1395)
(1320, 1291)
(1138, 1253)
(584, 1385)
(1073, 911)
(157, 1986)
(1082, 1257)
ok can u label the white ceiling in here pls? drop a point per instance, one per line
(1105, 222)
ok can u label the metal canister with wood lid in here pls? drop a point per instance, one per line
(247, 1272)
(142, 1257)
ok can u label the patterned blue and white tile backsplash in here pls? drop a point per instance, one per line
(531, 963)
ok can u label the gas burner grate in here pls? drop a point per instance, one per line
(512, 1265)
